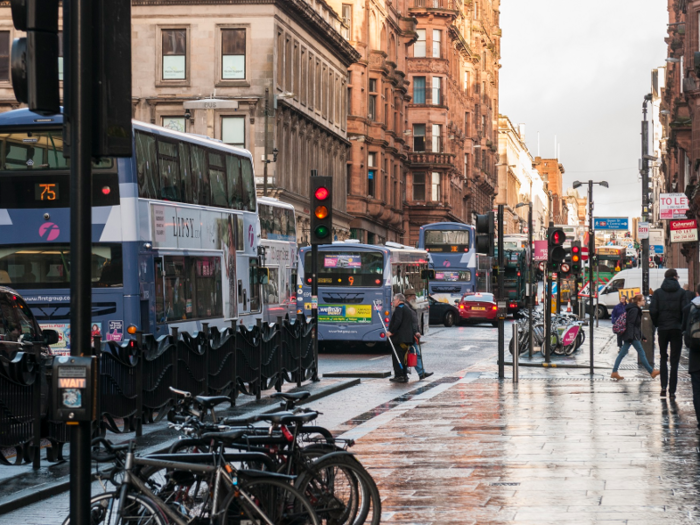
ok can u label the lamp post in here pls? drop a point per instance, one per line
(530, 262)
(591, 252)
(645, 193)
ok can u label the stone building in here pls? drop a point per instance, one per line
(377, 92)
(452, 117)
(240, 52)
(551, 171)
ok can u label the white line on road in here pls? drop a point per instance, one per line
(466, 348)
(380, 357)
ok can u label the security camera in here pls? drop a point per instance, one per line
(188, 115)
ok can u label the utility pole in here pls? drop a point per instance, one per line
(501, 299)
(548, 306)
(645, 196)
(593, 288)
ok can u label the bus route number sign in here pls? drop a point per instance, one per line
(45, 192)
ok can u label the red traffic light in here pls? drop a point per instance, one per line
(321, 193)
(557, 237)
(575, 249)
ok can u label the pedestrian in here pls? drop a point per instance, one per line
(401, 332)
(692, 341)
(632, 336)
(666, 311)
(689, 296)
(616, 313)
(657, 261)
(410, 302)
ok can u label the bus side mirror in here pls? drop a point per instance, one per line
(263, 275)
(50, 337)
(427, 274)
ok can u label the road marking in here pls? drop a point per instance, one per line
(380, 357)
(466, 348)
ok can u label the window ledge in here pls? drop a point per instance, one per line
(232, 83)
(172, 83)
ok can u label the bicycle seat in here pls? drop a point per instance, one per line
(237, 421)
(288, 417)
(225, 437)
(208, 402)
(182, 393)
(274, 417)
(292, 396)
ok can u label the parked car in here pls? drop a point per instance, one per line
(18, 326)
(476, 307)
(442, 313)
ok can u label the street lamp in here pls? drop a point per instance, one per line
(530, 295)
(266, 110)
(591, 251)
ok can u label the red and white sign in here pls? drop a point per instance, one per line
(586, 291)
(541, 251)
(643, 230)
(672, 205)
(684, 231)
(584, 253)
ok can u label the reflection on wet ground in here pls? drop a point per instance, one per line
(544, 451)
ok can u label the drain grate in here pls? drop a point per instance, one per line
(504, 484)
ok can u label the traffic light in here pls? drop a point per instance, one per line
(321, 210)
(556, 252)
(484, 234)
(576, 266)
(34, 58)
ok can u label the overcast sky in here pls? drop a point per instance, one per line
(580, 70)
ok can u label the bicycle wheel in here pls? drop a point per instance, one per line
(327, 487)
(256, 500)
(138, 510)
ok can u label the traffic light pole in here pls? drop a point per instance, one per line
(531, 271)
(593, 288)
(558, 292)
(78, 18)
(548, 306)
(501, 298)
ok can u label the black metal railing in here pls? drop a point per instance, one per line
(135, 377)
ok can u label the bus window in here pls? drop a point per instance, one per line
(447, 240)
(217, 179)
(186, 186)
(191, 289)
(233, 181)
(169, 165)
(254, 287)
(249, 203)
(344, 268)
(146, 165)
(271, 293)
(198, 156)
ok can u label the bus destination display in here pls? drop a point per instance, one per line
(46, 192)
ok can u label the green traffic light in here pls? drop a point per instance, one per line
(322, 232)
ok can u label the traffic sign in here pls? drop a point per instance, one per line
(584, 253)
(586, 290)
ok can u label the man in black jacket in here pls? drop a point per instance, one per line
(691, 315)
(666, 311)
(401, 332)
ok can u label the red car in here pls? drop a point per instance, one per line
(478, 308)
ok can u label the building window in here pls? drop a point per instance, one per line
(347, 20)
(233, 131)
(232, 54)
(372, 109)
(466, 165)
(419, 90)
(304, 74)
(437, 142)
(466, 123)
(437, 38)
(174, 51)
(174, 123)
(419, 186)
(435, 187)
(466, 82)
(437, 91)
(419, 46)
(419, 137)
(371, 173)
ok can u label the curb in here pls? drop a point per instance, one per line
(31, 495)
(360, 373)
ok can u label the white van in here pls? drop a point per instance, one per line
(609, 296)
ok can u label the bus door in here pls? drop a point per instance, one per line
(148, 275)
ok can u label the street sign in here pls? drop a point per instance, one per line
(684, 231)
(643, 230)
(584, 253)
(673, 205)
(540, 251)
(586, 290)
(611, 223)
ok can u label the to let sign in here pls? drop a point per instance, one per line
(684, 231)
(643, 230)
(672, 205)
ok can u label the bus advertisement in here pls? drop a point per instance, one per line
(175, 230)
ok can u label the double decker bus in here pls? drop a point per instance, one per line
(175, 230)
(356, 283)
(451, 248)
(607, 259)
(278, 244)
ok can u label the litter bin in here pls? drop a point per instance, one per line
(648, 333)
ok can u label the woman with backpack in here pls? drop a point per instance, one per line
(632, 336)
(615, 315)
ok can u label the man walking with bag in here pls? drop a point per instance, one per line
(410, 300)
(666, 311)
(692, 341)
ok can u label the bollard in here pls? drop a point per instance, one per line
(648, 333)
(516, 353)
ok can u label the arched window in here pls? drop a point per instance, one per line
(382, 38)
(372, 30)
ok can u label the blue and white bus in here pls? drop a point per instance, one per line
(451, 248)
(352, 279)
(278, 241)
(175, 230)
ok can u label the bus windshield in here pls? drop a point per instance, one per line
(36, 150)
(48, 266)
(447, 240)
(345, 268)
(453, 277)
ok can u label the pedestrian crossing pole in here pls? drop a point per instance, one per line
(501, 298)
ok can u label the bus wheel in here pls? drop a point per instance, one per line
(449, 319)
